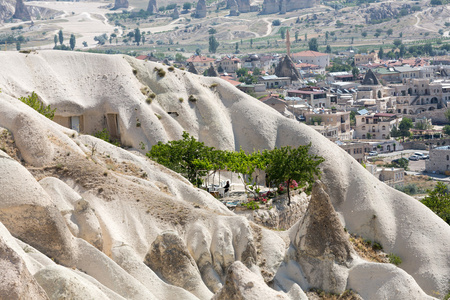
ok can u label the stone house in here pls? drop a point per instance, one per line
(273, 81)
(365, 58)
(439, 161)
(229, 64)
(375, 126)
(312, 57)
(200, 62)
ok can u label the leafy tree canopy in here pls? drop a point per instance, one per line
(438, 200)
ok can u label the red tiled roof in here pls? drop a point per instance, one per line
(384, 115)
(199, 58)
(306, 65)
(310, 53)
(233, 82)
(141, 57)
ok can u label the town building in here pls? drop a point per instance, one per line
(273, 81)
(229, 64)
(365, 58)
(375, 126)
(439, 161)
(357, 150)
(315, 97)
(333, 125)
(200, 62)
(414, 96)
(312, 57)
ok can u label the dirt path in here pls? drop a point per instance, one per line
(416, 15)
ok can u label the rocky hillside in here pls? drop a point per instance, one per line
(83, 219)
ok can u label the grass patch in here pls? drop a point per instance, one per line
(160, 71)
(368, 250)
(394, 259)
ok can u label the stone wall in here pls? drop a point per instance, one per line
(437, 115)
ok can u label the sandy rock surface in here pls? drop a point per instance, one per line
(90, 210)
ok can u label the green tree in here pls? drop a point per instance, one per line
(313, 45)
(137, 36)
(389, 31)
(34, 102)
(212, 31)
(18, 46)
(446, 129)
(402, 51)
(296, 36)
(283, 33)
(187, 156)
(328, 49)
(364, 33)
(355, 72)
(242, 72)
(438, 200)
(447, 115)
(213, 44)
(286, 164)
(380, 53)
(306, 37)
(397, 42)
(187, 6)
(55, 40)
(60, 37)
(405, 125)
(236, 47)
(72, 41)
(251, 43)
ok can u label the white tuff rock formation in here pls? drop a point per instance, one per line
(85, 214)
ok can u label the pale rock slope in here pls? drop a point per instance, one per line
(94, 221)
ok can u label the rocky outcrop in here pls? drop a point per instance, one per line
(152, 7)
(370, 78)
(282, 6)
(241, 284)
(192, 68)
(200, 10)
(243, 6)
(120, 4)
(169, 257)
(286, 68)
(175, 13)
(21, 12)
(211, 72)
(16, 282)
(232, 5)
(385, 12)
(323, 249)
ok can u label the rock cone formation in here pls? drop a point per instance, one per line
(152, 7)
(120, 4)
(370, 78)
(192, 69)
(211, 72)
(200, 10)
(175, 13)
(321, 241)
(21, 12)
(286, 68)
